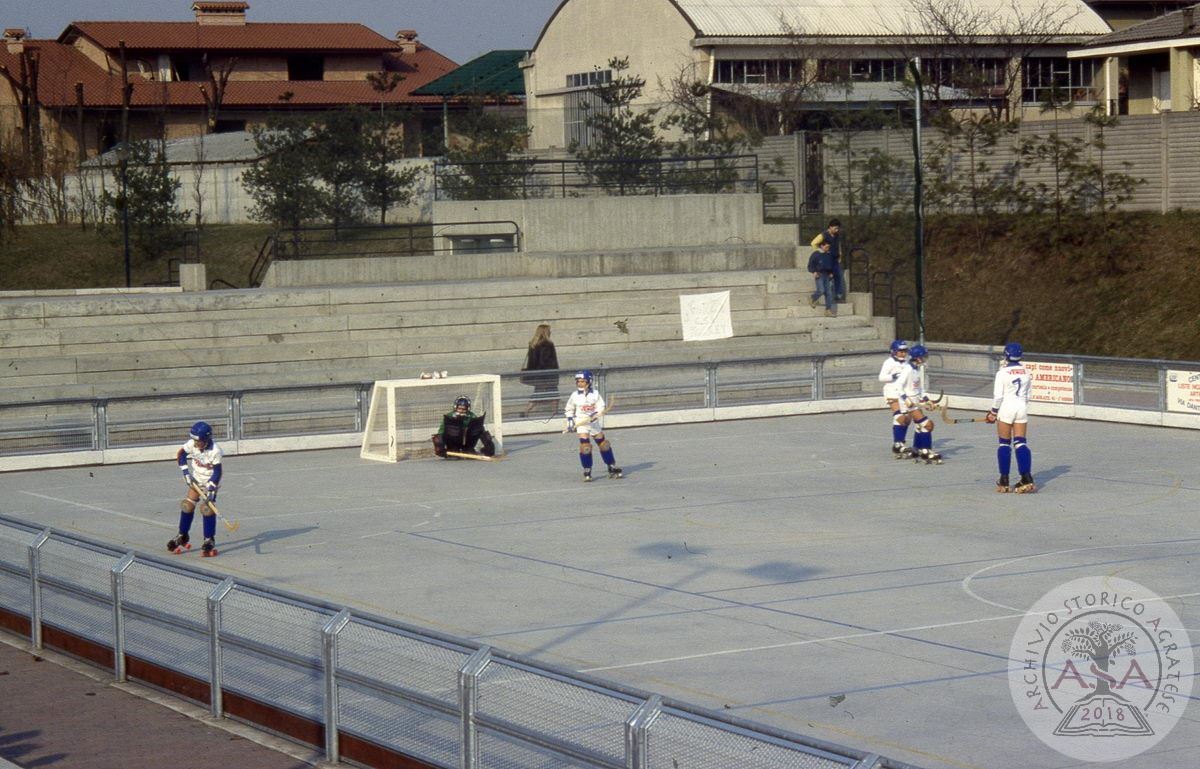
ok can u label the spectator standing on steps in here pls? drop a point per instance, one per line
(833, 236)
(541, 357)
(820, 264)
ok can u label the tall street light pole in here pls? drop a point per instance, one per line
(123, 166)
(918, 200)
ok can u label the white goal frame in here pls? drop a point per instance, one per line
(383, 397)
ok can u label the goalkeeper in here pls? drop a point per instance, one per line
(461, 430)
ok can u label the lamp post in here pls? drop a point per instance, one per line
(918, 197)
(122, 168)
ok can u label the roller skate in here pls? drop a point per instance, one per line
(1026, 485)
(900, 451)
(209, 548)
(614, 472)
(930, 456)
(1002, 485)
(179, 544)
(587, 476)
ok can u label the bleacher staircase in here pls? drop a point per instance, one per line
(137, 344)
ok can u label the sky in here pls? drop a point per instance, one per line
(459, 29)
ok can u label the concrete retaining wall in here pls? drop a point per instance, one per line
(594, 224)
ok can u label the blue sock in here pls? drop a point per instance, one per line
(1004, 456)
(1024, 456)
(586, 460)
(210, 526)
(898, 432)
(922, 440)
(903, 432)
(607, 454)
(185, 521)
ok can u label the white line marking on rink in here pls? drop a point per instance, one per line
(138, 518)
(300, 547)
(966, 583)
(830, 639)
(371, 536)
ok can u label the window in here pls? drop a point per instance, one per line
(861, 70)
(229, 126)
(969, 74)
(742, 71)
(476, 244)
(1075, 78)
(589, 79)
(580, 106)
(306, 68)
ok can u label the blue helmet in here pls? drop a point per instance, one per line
(1013, 351)
(462, 402)
(899, 346)
(202, 431)
(918, 351)
(585, 375)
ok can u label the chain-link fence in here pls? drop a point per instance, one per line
(364, 688)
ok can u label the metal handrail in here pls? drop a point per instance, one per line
(523, 178)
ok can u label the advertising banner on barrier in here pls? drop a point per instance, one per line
(1183, 391)
(1052, 382)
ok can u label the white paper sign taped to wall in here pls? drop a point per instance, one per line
(705, 316)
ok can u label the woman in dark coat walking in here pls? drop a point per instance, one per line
(541, 357)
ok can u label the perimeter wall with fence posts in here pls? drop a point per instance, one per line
(362, 688)
(117, 430)
(1163, 150)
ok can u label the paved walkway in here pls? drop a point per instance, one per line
(59, 713)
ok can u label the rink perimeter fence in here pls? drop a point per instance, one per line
(364, 688)
(376, 692)
(98, 431)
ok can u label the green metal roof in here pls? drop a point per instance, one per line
(493, 74)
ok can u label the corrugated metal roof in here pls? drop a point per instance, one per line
(496, 73)
(862, 18)
(236, 146)
(1185, 23)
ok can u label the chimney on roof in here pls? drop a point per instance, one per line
(14, 39)
(407, 38)
(217, 12)
(1189, 18)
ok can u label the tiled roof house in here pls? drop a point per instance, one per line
(71, 88)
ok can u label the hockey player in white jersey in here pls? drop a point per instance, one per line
(890, 374)
(914, 401)
(585, 411)
(1010, 415)
(200, 461)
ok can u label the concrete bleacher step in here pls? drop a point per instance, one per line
(124, 345)
(91, 310)
(365, 369)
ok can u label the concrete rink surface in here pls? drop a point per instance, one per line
(788, 570)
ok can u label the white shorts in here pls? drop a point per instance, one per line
(590, 429)
(1013, 413)
(892, 393)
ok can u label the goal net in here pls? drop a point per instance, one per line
(404, 413)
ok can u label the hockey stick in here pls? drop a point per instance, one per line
(585, 421)
(228, 524)
(480, 457)
(946, 418)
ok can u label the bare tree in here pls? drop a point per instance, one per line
(973, 54)
(213, 90)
